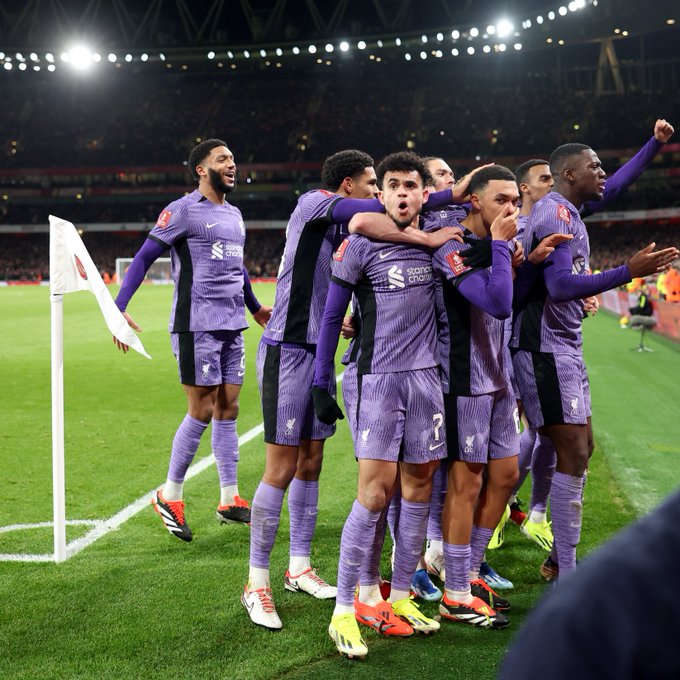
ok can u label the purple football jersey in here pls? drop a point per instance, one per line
(206, 247)
(448, 216)
(394, 287)
(305, 270)
(472, 344)
(544, 325)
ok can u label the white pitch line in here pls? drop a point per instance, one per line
(103, 527)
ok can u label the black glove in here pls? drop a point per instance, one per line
(325, 407)
(478, 254)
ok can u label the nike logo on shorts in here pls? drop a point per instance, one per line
(383, 254)
(210, 226)
(436, 446)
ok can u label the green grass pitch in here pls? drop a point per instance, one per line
(138, 603)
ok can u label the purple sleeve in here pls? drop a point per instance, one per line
(344, 209)
(329, 333)
(562, 285)
(525, 277)
(491, 292)
(249, 298)
(624, 177)
(149, 252)
(437, 199)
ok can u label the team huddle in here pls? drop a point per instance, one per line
(466, 301)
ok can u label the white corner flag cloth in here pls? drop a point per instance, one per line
(72, 269)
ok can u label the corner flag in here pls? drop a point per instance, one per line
(72, 269)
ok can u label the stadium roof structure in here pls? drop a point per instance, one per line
(195, 29)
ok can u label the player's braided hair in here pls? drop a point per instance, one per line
(347, 163)
(200, 152)
(403, 161)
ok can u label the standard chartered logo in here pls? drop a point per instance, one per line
(419, 274)
(217, 251)
(220, 250)
(395, 277)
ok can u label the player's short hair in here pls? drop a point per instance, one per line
(481, 179)
(347, 163)
(403, 161)
(522, 171)
(562, 155)
(200, 152)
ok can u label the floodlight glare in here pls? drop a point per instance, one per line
(470, 50)
(112, 57)
(503, 28)
(144, 57)
(344, 46)
(79, 57)
(474, 32)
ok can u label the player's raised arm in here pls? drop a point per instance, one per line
(380, 227)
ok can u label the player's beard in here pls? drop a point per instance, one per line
(217, 183)
(402, 224)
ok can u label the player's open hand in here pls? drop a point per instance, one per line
(436, 239)
(663, 130)
(325, 407)
(504, 227)
(131, 322)
(648, 261)
(262, 315)
(547, 246)
(460, 191)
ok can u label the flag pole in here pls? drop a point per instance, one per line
(58, 475)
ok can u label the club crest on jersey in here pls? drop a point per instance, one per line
(164, 219)
(563, 213)
(340, 252)
(456, 263)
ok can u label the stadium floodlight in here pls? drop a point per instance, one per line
(379, 43)
(51, 68)
(344, 46)
(572, 6)
(423, 38)
(112, 57)
(490, 29)
(454, 52)
(144, 57)
(471, 50)
(211, 54)
(65, 56)
(279, 52)
(329, 48)
(455, 34)
(474, 32)
(562, 11)
(361, 45)
(423, 55)
(580, 4)
(49, 57)
(397, 41)
(486, 49)
(2, 55)
(263, 53)
(20, 57)
(80, 57)
(439, 54)
(22, 66)
(312, 49)
(407, 56)
(502, 47)
(518, 46)
(230, 54)
(36, 67)
(128, 58)
(440, 37)
(96, 57)
(161, 56)
(8, 65)
(551, 15)
(246, 54)
(296, 50)
(527, 24)
(539, 19)
(504, 27)
(33, 56)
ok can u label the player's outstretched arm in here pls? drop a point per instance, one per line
(380, 227)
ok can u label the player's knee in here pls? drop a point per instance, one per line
(373, 497)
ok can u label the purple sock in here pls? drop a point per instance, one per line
(410, 536)
(567, 509)
(303, 508)
(355, 546)
(265, 514)
(457, 562)
(434, 521)
(479, 539)
(370, 570)
(184, 446)
(542, 471)
(526, 448)
(225, 450)
(393, 511)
